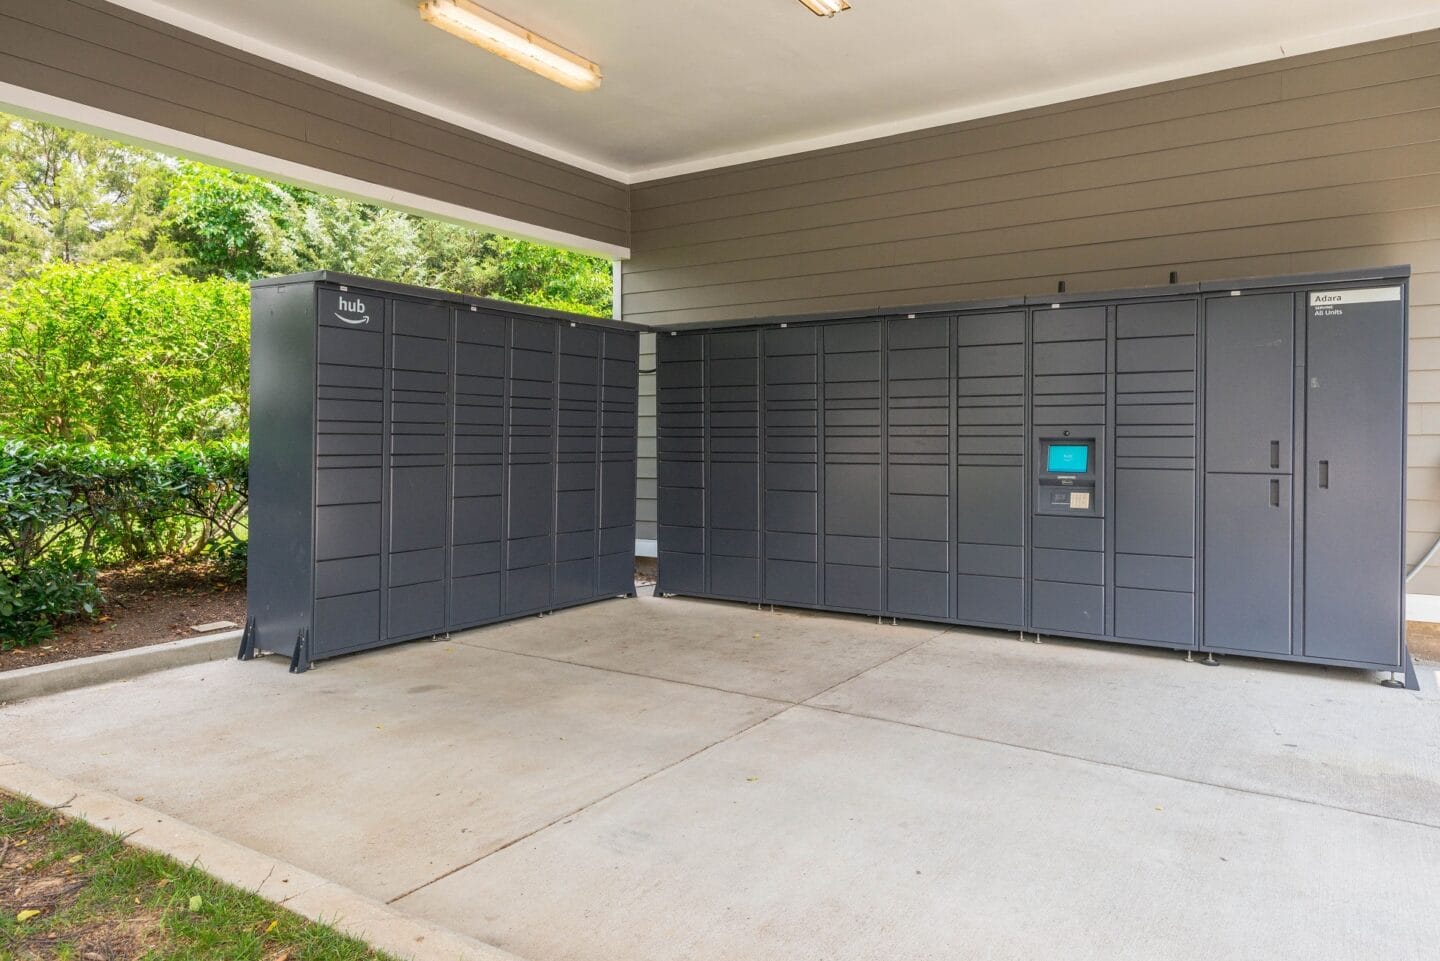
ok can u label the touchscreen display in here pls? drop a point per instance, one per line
(1067, 458)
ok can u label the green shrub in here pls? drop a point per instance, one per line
(66, 509)
(34, 600)
(124, 354)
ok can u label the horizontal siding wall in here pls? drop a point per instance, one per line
(103, 56)
(1321, 162)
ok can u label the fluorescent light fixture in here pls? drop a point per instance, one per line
(826, 8)
(513, 42)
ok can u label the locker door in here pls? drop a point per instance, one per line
(917, 485)
(792, 465)
(478, 471)
(418, 487)
(530, 467)
(732, 423)
(853, 448)
(991, 492)
(1354, 456)
(349, 478)
(1249, 377)
(577, 486)
(619, 408)
(1247, 564)
(680, 446)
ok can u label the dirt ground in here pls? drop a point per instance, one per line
(1424, 640)
(144, 605)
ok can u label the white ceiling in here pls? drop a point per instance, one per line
(691, 85)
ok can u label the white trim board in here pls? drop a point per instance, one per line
(143, 133)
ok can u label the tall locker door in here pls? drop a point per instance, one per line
(619, 408)
(349, 479)
(417, 482)
(577, 478)
(1248, 562)
(1354, 465)
(1154, 492)
(1249, 383)
(854, 448)
(1070, 390)
(1246, 588)
(732, 422)
(680, 448)
(478, 467)
(530, 466)
(991, 491)
(792, 465)
(917, 481)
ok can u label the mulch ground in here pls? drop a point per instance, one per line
(145, 604)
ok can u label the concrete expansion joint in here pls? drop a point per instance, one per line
(1115, 765)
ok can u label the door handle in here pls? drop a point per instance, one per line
(1274, 454)
(1275, 492)
(1324, 475)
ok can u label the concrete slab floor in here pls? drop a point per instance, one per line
(591, 785)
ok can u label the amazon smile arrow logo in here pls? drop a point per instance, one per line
(353, 306)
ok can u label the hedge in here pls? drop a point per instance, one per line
(66, 510)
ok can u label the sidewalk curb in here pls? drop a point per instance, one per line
(306, 894)
(27, 682)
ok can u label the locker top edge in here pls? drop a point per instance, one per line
(443, 296)
(1392, 273)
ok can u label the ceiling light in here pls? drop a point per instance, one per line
(826, 8)
(513, 42)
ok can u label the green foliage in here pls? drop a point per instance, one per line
(125, 354)
(68, 197)
(65, 509)
(243, 227)
(32, 602)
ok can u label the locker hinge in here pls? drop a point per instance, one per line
(300, 660)
(247, 641)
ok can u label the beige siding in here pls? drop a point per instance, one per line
(1320, 162)
(103, 56)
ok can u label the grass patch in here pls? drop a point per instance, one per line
(96, 898)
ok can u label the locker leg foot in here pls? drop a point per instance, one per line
(1392, 681)
(247, 641)
(300, 660)
(1210, 660)
(893, 622)
(1038, 639)
(1189, 657)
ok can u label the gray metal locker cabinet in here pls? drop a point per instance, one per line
(854, 448)
(529, 467)
(1154, 489)
(417, 429)
(732, 482)
(619, 412)
(918, 467)
(385, 423)
(1354, 469)
(478, 468)
(349, 448)
(1249, 411)
(680, 469)
(792, 465)
(991, 490)
(1070, 390)
(577, 470)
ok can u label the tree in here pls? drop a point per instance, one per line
(70, 197)
(240, 226)
(127, 354)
